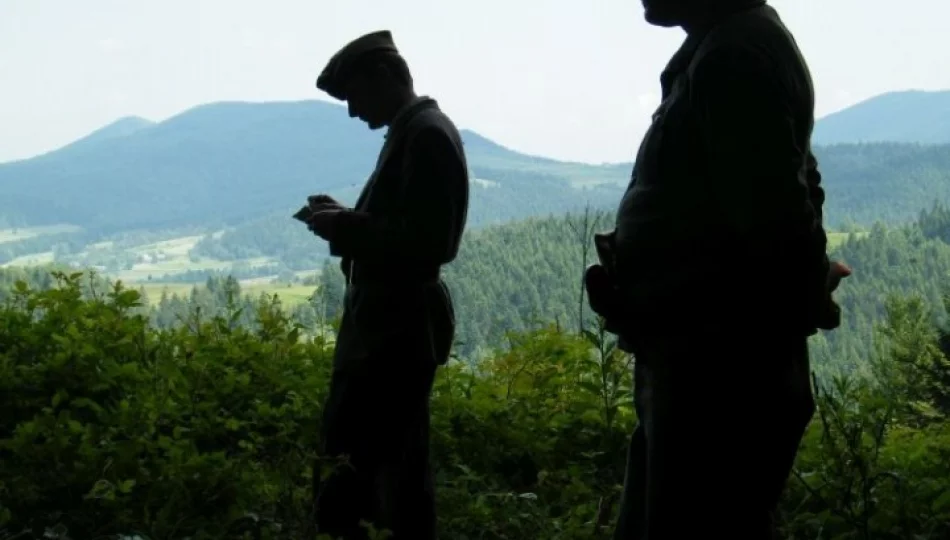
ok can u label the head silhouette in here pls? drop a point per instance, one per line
(377, 88)
(371, 76)
(689, 13)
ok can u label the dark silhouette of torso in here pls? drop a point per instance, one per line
(698, 216)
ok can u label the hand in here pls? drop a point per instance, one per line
(323, 222)
(322, 202)
(837, 272)
(603, 297)
(600, 290)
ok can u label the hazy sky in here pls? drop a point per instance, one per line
(568, 79)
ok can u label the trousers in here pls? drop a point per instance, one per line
(720, 420)
(375, 427)
(379, 425)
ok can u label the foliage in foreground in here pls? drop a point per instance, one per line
(111, 426)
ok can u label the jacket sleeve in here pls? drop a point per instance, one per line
(767, 184)
(748, 127)
(424, 226)
(768, 187)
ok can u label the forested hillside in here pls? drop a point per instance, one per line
(509, 277)
(514, 277)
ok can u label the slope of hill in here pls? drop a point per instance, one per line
(235, 164)
(228, 162)
(913, 116)
(489, 155)
(120, 128)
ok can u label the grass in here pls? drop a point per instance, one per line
(289, 295)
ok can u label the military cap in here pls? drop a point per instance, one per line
(332, 79)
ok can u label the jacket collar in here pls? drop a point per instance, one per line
(408, 111)
(721, 10)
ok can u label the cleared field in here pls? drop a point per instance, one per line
(157, 269)
(171, 257)
(162, 258)
(14, 235)
(288, 295)
(154, 290)
(172, 247)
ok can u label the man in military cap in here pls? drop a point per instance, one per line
(398, 319)
(719, 261)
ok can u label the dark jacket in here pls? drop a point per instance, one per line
(407, 222)
(722, 221)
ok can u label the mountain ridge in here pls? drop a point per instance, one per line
(847, 125)
(906, 116)
(223, 163)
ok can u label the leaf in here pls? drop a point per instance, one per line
(126, 486)
(942, 503)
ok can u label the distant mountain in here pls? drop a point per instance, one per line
(232, 163)
(913, 116)
(120, 128)
(224, 163)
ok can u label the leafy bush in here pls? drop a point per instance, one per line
(112, 427)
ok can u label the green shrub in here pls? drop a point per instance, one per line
(110, 426)
(113, 427)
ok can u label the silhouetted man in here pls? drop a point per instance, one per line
(398, 318)
(719, 259)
